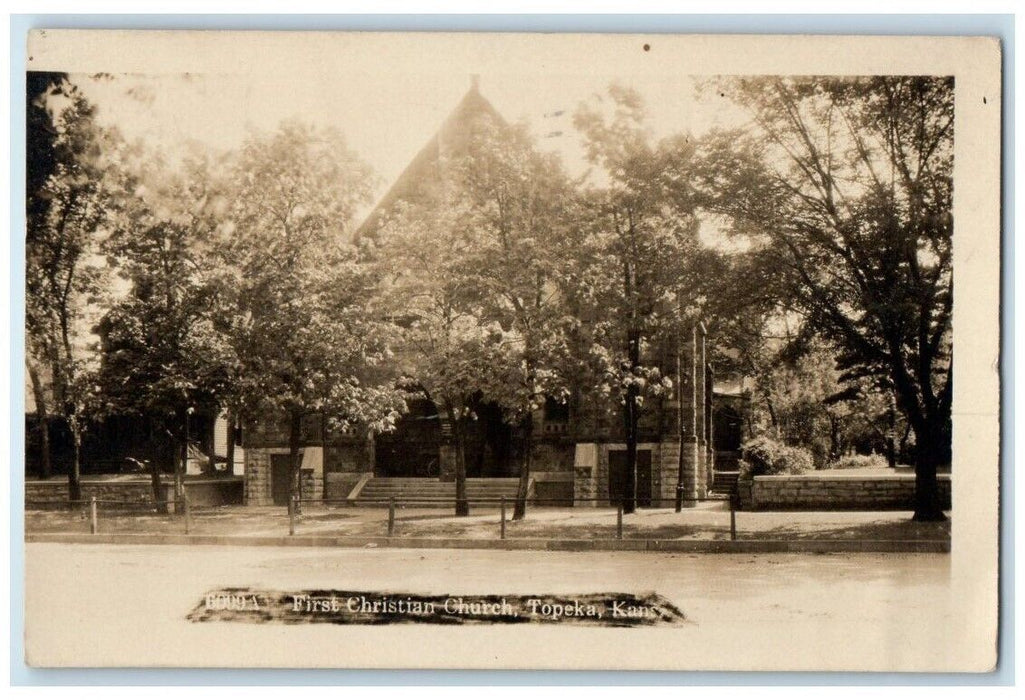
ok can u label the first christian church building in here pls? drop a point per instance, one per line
(578, 455)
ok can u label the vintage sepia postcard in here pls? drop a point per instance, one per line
(511, 351)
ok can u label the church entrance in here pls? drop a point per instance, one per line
(413, 449)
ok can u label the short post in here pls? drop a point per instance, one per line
(619, 521)
(291, 515)
(391, 516)
(502, 535)
(93, 524)
(733, 518)
(188, 512)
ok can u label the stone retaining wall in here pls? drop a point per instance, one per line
(835, 492)
(202, 492)
(338, 485)
(56, 491)
(553, 488)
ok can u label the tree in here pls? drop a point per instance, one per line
(636, 244)
(516, 203)
(844, 185)
(68, 199)
(165, 355)
(40, 166)
(810, 402)
(450, 351)
(300, 312)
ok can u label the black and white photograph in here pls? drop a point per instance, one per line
(511, 351)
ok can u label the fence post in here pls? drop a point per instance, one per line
(502, 535)
(188, 511)
(733, 518)
(291, 515)
(391, 516)
(93, 524)
(619, 520)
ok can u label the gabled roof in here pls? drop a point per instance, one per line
(451, 141)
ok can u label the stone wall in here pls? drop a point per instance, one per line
(257, 469)
(553, 488)
(215, 492)
(202, 492)
(311, 484)
(55, 491)
(352, 458)
(548, 455)
(664, 487)
(591, 471)
(836, 492)
(338, 485)
(585, 467)
(258, 474)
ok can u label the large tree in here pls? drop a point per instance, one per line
(68, 201)
(451, 351)
(40, 165)
(300, 316)
(165, 353)
(844, 186)
(635, 250)
(517, 202)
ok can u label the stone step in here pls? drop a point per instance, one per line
(417, 481)
(431, 492)
(725, 482)
(437, 487)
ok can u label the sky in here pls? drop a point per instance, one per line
(386, 117)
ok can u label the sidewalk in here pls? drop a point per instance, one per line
(709, 523)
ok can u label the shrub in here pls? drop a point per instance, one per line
(764, 456)
(819, 448)
(859, 462)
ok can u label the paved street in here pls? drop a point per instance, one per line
(126, 605)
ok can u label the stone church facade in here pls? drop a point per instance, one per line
(577, 449)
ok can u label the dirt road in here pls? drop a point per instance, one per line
(106, 605)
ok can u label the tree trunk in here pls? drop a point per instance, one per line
(903, 448)
(74, 476)
(932, 448)
(520, 509)
(181, 459)
(157, 485)
(773, 420)
(891, 433)
(45, 464)
(630, 424)
(208, 444)
(462, 502)
(835, 448)
(229, 449)
(931, 422)
(295, 463)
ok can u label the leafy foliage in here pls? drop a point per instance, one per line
(69, 198)
(869, 461)
(298, 304)
(844, 186)
(164, 352)
(633, 281)
(763, 456)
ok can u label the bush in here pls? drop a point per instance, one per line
(764, 456)
(859, 462)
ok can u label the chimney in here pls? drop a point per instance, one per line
(475, 82)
